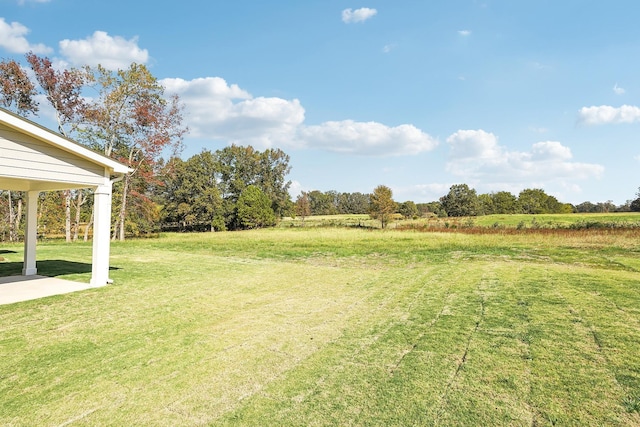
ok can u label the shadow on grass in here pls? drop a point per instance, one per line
(6, 251)
(48, 267)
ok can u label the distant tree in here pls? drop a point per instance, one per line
(51, 209)
(505, 203)
(303, 207)
(625, 207)
(322, 203)
(382, 205)
(552, 205)
(408, 210)
(606, 207)
(461, 201)
(11, 213)
(190, 192)
(353, 203)
(434, 208)
(586, 207)
(241, 166)
(567, 208)
(254, 209)
(487, 206)
(533, 201)
(272, 172)
(634, 206)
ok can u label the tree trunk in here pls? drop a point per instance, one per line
(18, 216)
(15, 215)
(89, 224)
(118, 232)
(67, 215)
(10, 216)
(79, 202)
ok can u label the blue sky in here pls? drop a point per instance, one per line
(413, 94)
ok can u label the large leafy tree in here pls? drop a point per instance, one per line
(17, 92)
(382, 205)
(505, 203)
(408, 209)
(274, 167)
(322, 203)
(190, 192)
(242, 166)
(461, 201)
(254, 209)
(533, 201)
(353, 203)
(487, 206)
(63, 91)
(132, 121)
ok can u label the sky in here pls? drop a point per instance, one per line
(417, 95)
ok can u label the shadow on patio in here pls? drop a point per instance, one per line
(15, 288)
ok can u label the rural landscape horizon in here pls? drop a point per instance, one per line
(320, 213)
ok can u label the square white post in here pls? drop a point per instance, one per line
(101, 234)
(30, 235)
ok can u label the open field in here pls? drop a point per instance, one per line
(521, 221)
(322, 326)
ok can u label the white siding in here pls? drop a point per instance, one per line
(26, 158)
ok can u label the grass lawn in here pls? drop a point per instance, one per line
(323, 327)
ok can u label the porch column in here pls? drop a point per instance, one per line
(30, 235)
(101, 234)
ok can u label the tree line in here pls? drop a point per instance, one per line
(230, 189)
(125, 115)
(461, 200)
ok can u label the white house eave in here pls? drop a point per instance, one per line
(26, 126)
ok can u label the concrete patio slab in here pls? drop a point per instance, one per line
(24, 288)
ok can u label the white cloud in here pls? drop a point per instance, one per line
(367, 138)
(464, 33)
(475, 154)
(475, 144)
(537, 129)
(422, 192)
(606, 114)
(101, 48)
(21, 2)
(388, 48)
(13, 39)
(618, 90)
(550, 151)
(219, 111)
(540, 66)
(359, 15)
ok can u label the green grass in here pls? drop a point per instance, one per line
(324, 326)
(559, 220)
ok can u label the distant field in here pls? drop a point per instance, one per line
(321, 326)
(623, 219)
